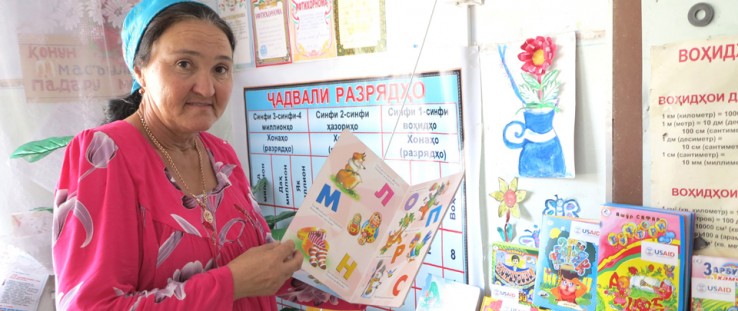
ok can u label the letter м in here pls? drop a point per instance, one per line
(330, 198)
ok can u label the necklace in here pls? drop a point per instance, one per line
(206, 214)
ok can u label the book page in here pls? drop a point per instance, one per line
(408, 239)
(345, 212)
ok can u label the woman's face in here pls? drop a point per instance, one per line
(188, 78)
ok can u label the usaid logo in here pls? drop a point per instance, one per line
(587, 232)
(660, 253)
(505, 293)
(713, 289)
(663, 253)
(719, 289)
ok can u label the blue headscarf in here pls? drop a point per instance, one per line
(134, 27)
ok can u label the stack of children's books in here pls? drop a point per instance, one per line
(633, 258)
(644, 258)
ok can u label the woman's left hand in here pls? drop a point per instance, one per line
(262, 270)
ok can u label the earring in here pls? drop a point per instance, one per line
(141, 91)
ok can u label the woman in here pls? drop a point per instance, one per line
(152, 212)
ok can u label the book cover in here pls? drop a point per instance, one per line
(514, 266)
(567, 273)
(440, 294)
(643, 258)
(362, 230)
(490, 303)
(714, 283)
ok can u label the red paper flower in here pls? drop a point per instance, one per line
(537, 55)
(633, 270)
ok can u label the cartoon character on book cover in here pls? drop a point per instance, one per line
(714, 283)
(638, 260)
(514, 266)
(567, 275)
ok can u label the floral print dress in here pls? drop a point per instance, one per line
(125, 237)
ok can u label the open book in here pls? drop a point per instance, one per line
(362, 230)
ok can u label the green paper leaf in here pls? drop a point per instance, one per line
(259, 186)
(549, 76)
(278, 234)
(502, 235)
(38, 149)
(531, 81)
(43, 209)
(273, 220)
(510, 234)
(528, 94)
(551, 92)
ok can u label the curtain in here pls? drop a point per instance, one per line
(60, 62)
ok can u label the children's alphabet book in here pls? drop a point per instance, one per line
(644, 258)
(513, 266)
(567, 272)
(714, 283)
(362, 230)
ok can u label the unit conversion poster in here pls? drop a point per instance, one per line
(693, 130)
(414, 122)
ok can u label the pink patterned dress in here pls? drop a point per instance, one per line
(126, 238)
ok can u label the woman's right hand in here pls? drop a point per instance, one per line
(262, 270)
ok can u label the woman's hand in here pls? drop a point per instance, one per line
(262, 270)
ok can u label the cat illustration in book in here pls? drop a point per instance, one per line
(570, 287)
(315, 245)
(416, 245)
(375, 281)
(395, 237)
(370, 229)
(349, 176)
(435, 191)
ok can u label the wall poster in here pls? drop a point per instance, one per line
(414, 122)
(361, 26)
(529, 118)
(271, 36)
(694, 137)
(236, 14)
(63, 68)
(312, 29)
